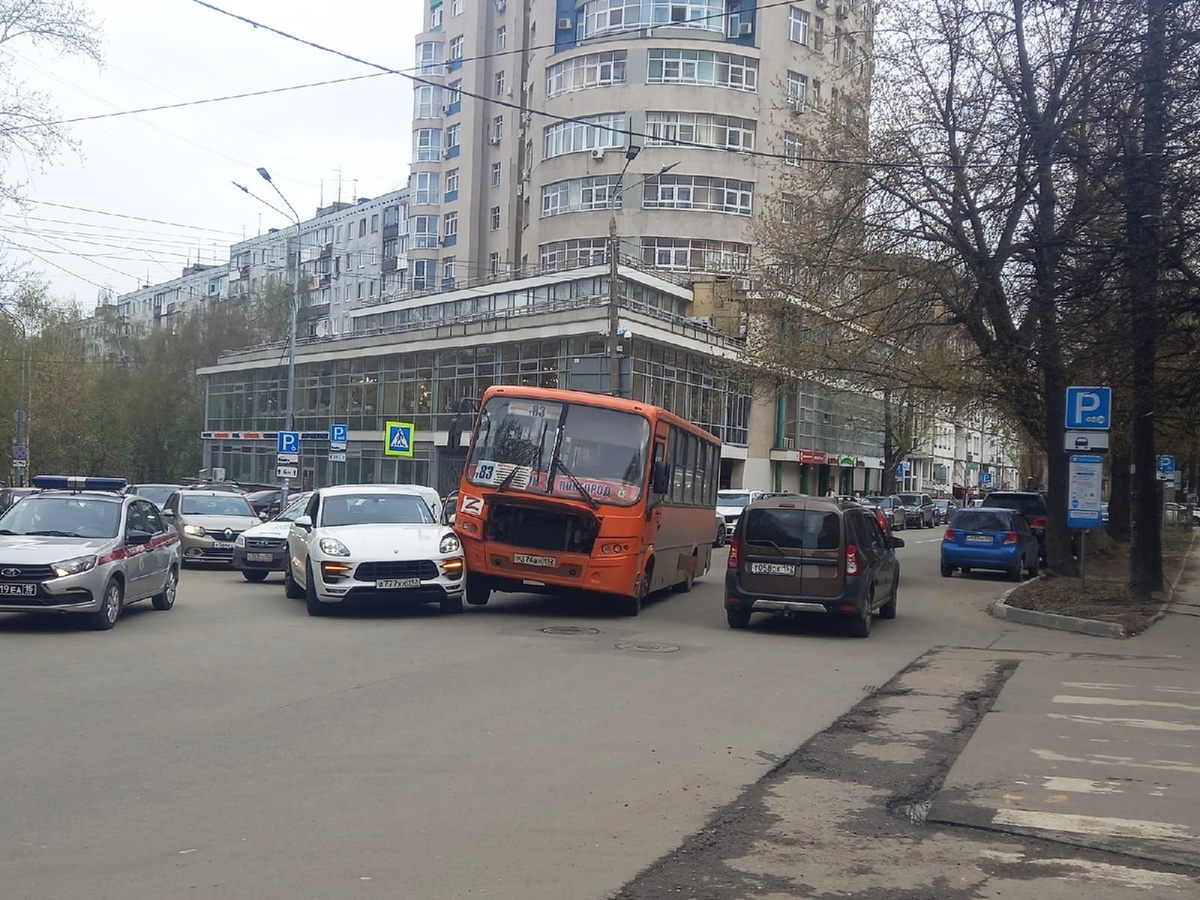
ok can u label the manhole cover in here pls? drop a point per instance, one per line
(568, 629)
(647, 648)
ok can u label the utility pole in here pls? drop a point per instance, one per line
(614, 308)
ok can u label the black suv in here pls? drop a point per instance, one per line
(918, 509)
(1029, 503)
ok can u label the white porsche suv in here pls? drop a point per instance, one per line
(372, 541)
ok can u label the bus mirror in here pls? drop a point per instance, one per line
(661, 482)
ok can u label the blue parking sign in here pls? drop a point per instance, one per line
(287, 442)
(1089, 408)
(338, 433)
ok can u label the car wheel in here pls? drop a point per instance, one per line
(1017, 572)
(860, 625)
(290, 587)
(1033, 570)
(315, 606)
(110, 607)
(165, 599)
(254, 575)
(738, 618)
(720, 541)
(477, 590)
(452, 606)
(888, 610)
(632, 606)
(947, 571)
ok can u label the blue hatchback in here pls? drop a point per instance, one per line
(990, 538)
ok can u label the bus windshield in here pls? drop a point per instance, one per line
(565, 449)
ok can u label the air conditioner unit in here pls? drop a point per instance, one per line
(598, 153)
(843, 10)
(520, 190)
(566, 24)
(798, 106)
(494, 141)
(822, 4)
(445, 110)
(745, 28)
(741, 284)
(501, 5)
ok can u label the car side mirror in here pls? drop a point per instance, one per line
(895, 543)
(262, 516)
(137, 536)
(304, 522)
(167, 513)
(660, 481)
(447, 518)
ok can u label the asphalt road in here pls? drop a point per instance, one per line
(234, 747)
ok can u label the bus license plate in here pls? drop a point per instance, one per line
(772, 569)
(21, 590)
(393, 584)
(524, 559)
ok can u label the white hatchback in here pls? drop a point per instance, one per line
(372, 541)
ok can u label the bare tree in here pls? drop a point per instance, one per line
(29, 125)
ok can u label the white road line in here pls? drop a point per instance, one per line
(1165, 765)
(1149, 724)
(1097, 825)
(1116, 701)
(1060, 784)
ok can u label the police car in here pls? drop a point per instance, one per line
(79, 545)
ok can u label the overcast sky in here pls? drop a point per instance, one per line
(178, 166)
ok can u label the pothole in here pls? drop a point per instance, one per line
(568, 630)
(646, 648)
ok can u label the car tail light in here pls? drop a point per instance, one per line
(1038, 522)
(851, 559)
(734, 546)
(1010, 538)
(949, 535)
(881, 518)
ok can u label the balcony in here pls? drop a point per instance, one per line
(388, 264)
(390, 231)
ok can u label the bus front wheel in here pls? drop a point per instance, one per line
(477, 590)
(632, 606)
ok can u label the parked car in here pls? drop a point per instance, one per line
(990, 538)
(893, 509)
(1030, 504)
(265, 503)
(81, 546)
(807, 554)
(208, 522)
(720, 538)
(730, 504)
(377, 541)
(155, 493)
(260, 550)
(9, 496)
(918, 509)
(945, 508)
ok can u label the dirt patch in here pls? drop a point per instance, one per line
(1105, 596)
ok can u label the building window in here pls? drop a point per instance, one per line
(590, 133)
(793, 148)
(427, 101)
(501, 38)
(423, 232)
(424, 274)
(497, 171)
(494, 219)
(450, 225)
(580, 195)
(452, 181)
(375, 223)
(494, 263)
(699, 129)
(814, 94)
(435, 19)
(423, 189)
(454, 93)
(797, 90)
(501, 83)
(703, 67)
(695, 254)
(449, 266)
(456, 48)
(427, 144)
(456, 7)
(453, 136)
(604, 16)
(429, 58)
(567, 254)
(362, 227)
(798, 21)
(593, 70)
(698, 192)
(497, 129)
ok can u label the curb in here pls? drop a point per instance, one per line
(1001, 610)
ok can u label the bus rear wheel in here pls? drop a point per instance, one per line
(477, 590)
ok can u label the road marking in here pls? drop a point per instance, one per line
(1081, 785)
(1166, 765)
(1148, 724)
(1116, 701)
(1096, 825)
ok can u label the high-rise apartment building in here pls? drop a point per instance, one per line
(539, 125)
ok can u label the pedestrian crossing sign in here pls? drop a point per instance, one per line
(398, 439)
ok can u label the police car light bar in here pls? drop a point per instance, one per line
(78, 483)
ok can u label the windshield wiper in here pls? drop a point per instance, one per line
(6, 531)
(764, 541)
(55, 533)
(592, 501)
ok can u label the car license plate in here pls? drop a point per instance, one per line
(979, 538)
(21, 590)
(258, 557)
(222, 545)
(394, 584)
(772, 569)
(524, 559)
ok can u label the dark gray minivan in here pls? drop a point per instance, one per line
(809, 554)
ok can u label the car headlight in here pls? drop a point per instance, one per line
(332, 547)
(449, 544)
(239, 541)
(74, 566)
(194, 530)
